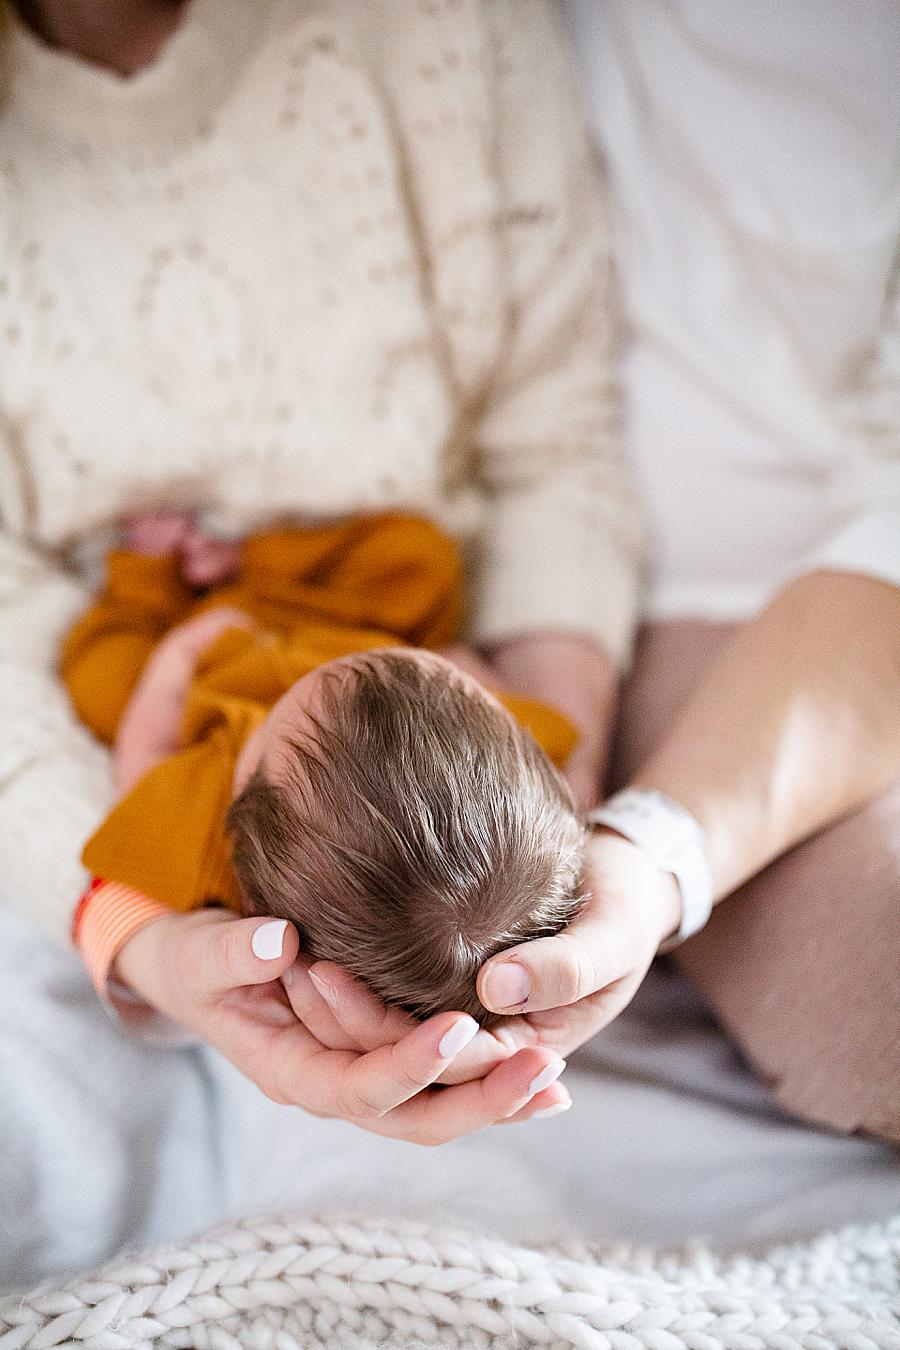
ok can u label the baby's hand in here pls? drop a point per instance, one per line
(156, 534)
(206, 561)
(187, 642)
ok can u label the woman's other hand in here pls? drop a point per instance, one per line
(221, 978)
(567, 987)
(792, 729)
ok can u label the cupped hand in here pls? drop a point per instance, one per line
(221, 978)
(568, 987)
(343, 1013)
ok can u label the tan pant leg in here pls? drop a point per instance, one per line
(802, 964)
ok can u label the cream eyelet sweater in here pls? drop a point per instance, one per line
(318, 259)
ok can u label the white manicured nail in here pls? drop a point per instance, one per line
(458, 1037)
(555, 1110)
(547, 1075)
(268, 940)
(328, 992)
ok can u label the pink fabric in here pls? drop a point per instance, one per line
(802, 964)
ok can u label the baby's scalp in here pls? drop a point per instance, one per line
(409, 827)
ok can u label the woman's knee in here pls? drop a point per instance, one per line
(802, 966)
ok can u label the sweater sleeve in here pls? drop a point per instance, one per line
(563, 547)
(55, 784)
(866, 483)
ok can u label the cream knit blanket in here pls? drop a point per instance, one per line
(298, 1283)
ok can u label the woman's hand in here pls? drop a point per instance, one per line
(566, 988)
(793, 728)
(221, 978)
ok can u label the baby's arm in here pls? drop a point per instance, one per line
(151, 724)
(106, 650)
(148, 589)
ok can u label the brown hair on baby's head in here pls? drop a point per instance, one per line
(414, 831)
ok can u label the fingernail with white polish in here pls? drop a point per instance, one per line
(268, 940)
(458, 1037)
(328, 992)
(547, 1111)
(547, 1075)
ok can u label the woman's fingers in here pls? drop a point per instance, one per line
(385, 1077)
(391, 1082)
(443, 1114)
(480, 1057)
(364, 1087)
(314, 1011)
(387, 1091)
(363, 1018)
(367, 1023)
(555, 1101)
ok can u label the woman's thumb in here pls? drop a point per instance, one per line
(549, 972)
(239, 952)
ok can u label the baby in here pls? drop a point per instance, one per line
(287, 745)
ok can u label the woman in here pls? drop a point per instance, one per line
(268, 261)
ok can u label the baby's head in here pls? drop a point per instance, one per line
(400, 817)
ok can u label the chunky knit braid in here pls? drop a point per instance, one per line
(351, 1284)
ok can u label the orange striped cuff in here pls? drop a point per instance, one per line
(107, 915)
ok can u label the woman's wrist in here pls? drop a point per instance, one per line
(107, 916)
(135, 955)
(673, 840)
(656, 895)
(729, 848)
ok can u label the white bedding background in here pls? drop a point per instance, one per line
(106, 1144)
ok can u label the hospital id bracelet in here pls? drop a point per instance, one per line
(673, 840)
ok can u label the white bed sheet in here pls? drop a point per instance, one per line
(106, 1144)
